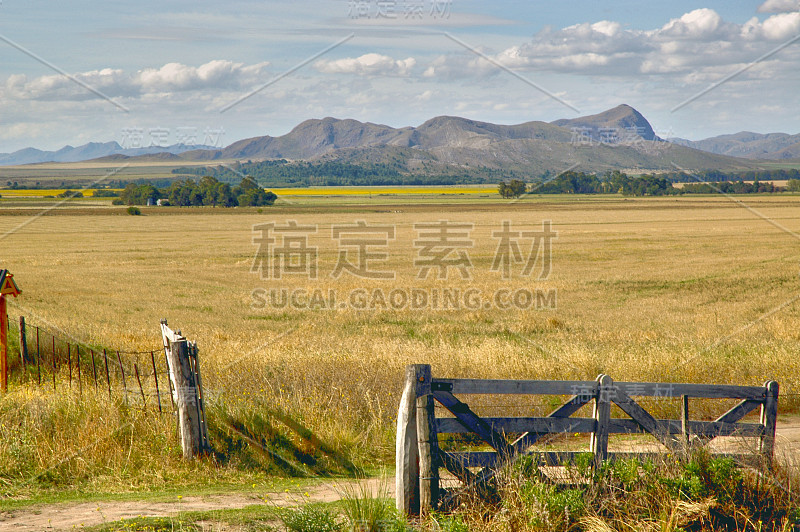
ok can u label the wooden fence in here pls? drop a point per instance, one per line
(419, 456)
(52, 360)
(45, 358)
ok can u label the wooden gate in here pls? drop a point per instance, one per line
(419, 457)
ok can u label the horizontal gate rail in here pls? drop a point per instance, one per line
(419, 456)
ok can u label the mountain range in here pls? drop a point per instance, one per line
(86, 152)
(748, 144)
(617, 138)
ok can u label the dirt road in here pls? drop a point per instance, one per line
(72, 516)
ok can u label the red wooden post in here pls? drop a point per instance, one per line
(3, 345)
(7, 287)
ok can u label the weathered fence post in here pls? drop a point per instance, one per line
(194, 363)
(23, 342)
(427, 442)
(38, 362)
(602, 415)
(55, 366)
(186, 396)
(108, 375)
(78, 357)
(407, 446)
(155, 377)
(769, 418)
(122, 372)
(141, 390)
(94, 370)
(685, 432)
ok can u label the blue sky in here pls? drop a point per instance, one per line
(178, 66)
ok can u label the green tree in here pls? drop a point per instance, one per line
(514, 189)
(504, 190)
(517, 187)
(250, 194)
(134, 194)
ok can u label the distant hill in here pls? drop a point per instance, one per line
(748, 144)
(622, 118)
(316, 138)
(620, 138)
(92, 150)
(450, 144)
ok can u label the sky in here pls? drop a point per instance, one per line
(163, 72)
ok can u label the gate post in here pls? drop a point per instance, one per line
(407, 468)
(769, 418)
(185, 388)
(428, 442)
(602, 414)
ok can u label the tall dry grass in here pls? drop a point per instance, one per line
(678, 289)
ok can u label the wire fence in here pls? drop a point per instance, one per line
(48, 359)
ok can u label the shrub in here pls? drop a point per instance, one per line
(134, 211)
(700, 492)
(71, 194)
(310, 518)
(105, 193)
(370, 512)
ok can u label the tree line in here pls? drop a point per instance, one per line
(717, 176)
(283, 173)
(208, 191)
(617, 182)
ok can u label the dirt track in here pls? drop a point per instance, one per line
(71, 516)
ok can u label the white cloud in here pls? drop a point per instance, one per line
(371, 64)
(170, 78)
(607, 27)
(782, 26)
(698, 24)
(696, 42)
(779, 6)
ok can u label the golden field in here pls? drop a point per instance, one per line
(307, 191)
(696, 289)
(383, 191)
(44, 192)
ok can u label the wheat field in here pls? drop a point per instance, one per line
(700, 289)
